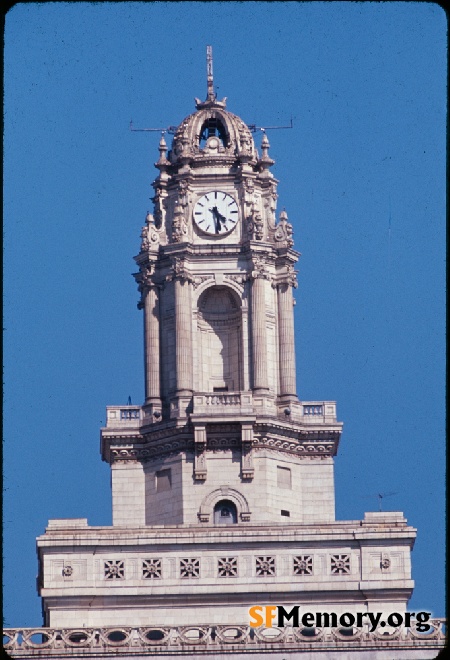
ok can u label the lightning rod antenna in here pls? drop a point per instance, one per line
(209, 73)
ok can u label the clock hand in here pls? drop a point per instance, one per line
(215, 213)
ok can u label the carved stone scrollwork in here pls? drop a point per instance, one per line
(254, 224)
(179, 226)
(149, 235)
(284, 231)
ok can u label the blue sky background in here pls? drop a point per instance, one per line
(362, 177)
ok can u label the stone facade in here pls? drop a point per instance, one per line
(209, 574)
(222, 481)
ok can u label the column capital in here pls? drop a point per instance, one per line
(260, 269)
(179, 271)
(287, 277)
(145, 279)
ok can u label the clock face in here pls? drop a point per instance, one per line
(216, 213)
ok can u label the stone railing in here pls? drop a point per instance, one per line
(315, 412)
(225, 403)
(196, 641)
(123, 416)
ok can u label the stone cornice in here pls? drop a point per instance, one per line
(272, 435)
(318, 535)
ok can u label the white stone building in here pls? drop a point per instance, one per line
(222, 481)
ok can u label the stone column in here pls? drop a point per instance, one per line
(259, 335)
(286, 340)
(183, 330)
(151, 346)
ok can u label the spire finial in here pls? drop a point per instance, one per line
(209, 71)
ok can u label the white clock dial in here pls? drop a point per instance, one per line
(216, 213)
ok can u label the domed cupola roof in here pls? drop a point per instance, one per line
(212, 132)
(212, 129)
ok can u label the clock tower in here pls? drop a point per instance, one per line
(221, 421)
(222, 480)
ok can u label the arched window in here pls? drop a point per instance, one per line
(213, 127)
(225, 513)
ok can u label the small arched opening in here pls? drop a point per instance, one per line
(213, 127)
(225, 513)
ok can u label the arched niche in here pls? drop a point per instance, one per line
(219, 340)
(222, 495)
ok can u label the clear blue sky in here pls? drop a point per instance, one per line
(362, 177)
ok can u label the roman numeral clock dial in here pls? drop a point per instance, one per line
(216, 213)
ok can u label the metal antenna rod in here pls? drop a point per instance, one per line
(253, 128)
(380, 497)
(209, 73)
(168, 129)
